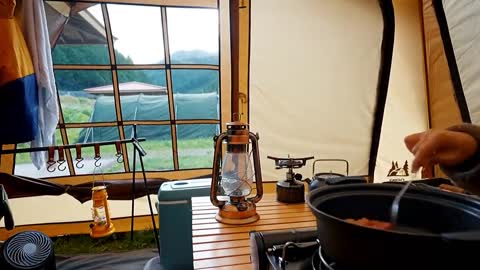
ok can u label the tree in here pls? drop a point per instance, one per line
(405, 167)
(183, 80)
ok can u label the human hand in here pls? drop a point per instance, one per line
(442, 147)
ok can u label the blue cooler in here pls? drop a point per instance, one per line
(175, 219)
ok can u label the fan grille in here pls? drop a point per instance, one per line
(27, 250)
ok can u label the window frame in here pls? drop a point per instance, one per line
(224, 88)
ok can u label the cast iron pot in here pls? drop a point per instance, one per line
(437, 229)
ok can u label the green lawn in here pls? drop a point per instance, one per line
(76, 109)
(83, 244)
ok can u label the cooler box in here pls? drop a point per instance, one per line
(175, 219)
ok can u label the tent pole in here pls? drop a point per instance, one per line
(141, 154)
(133, 184)
(235, 48)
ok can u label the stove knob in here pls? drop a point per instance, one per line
(298, 177)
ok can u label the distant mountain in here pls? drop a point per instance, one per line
(183, 80)
(194, 57)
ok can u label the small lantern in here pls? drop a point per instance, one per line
(235, 177)
(102, 225)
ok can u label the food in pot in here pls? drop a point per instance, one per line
(377, 224)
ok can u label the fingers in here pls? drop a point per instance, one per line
(427, 172)
(424, 151)
(412, 140)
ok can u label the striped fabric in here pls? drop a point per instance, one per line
(18, 87)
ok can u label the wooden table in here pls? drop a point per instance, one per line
(219, 246)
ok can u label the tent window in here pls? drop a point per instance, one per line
(158, 144)
(77, 96)
(117, 65)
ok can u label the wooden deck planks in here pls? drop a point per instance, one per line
(247, 266)
(211, 219)
(219, 253)
(219, 246)
(228, 261)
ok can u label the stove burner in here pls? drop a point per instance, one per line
(286, 257)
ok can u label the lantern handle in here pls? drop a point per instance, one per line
(95, 172)
(256, 164)
(215, 173)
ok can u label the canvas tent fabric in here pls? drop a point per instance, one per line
(459, 25)
(313, 81)
(406, 108)
(442, 104)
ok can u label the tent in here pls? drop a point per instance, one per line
(328, 78)
(150, 107)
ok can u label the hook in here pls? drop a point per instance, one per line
(61, 159)
(97, 162)
(51, 159)
(79, 158)
(119, 153)
(97, 155)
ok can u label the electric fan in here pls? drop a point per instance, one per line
(29, 250)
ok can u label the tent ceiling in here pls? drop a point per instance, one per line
(76, 23)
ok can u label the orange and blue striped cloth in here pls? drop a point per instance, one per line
(18, 86)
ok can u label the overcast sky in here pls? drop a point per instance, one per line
(139, 33)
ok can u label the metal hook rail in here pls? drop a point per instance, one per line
(68, 146)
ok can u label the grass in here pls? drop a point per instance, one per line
(76, 109)
(84, 244)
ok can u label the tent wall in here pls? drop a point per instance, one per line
(65, 208)
(314, 70)
(459, 22)
(442, 105)
(406, 109)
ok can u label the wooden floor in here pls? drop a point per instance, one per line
(219, 246)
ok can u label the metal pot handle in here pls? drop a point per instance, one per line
(330, 159)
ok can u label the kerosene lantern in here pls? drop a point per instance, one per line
(102, 225)
(233, 178)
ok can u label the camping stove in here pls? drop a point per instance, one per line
(292, 189)
(289, 250)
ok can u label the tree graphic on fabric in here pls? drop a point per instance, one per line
(405, 167)
(397, 171)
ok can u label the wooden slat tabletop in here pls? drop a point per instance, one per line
(219, 246)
